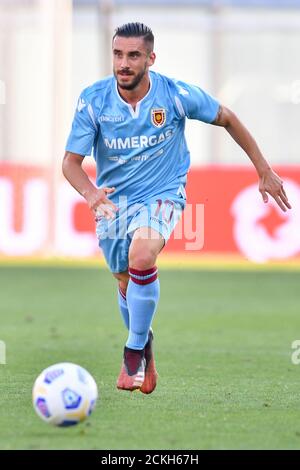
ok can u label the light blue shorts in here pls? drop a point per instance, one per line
(161, 213)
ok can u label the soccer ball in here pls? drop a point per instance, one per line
(64, 394)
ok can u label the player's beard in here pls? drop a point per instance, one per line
(135, 82)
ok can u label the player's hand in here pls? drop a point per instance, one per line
(99, 203)
(271, 183)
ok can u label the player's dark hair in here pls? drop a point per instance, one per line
(136, 30)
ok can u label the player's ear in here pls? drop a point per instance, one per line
(151, 58)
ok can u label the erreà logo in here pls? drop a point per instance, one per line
(158, 117)
(81, 104)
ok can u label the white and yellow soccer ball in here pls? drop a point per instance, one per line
(64, 394)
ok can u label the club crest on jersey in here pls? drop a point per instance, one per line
(158, 117)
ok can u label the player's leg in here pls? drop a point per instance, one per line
(159, 216)
(115, 249)
(142, 296)
(150, 380)
(152, 227)
(123, 279)
(143, 286)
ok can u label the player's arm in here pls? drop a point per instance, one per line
(96, 197)
(269, 181)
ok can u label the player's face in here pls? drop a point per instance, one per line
(131, 61)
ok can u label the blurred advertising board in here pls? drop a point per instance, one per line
(40, 215)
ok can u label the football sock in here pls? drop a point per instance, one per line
(123, 307)
(124, 310)
(142, 298)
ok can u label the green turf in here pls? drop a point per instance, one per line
(223, 349)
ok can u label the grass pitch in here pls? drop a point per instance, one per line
(223, 350)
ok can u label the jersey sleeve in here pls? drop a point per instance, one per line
(195, 103)
(84, 129)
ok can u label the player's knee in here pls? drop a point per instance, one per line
(142, 259)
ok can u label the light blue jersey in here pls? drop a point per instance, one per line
(141, 152)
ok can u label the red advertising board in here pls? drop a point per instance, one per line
(224, 215)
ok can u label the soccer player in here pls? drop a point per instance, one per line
(134, 123)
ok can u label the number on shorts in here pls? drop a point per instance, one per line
(165, 205)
